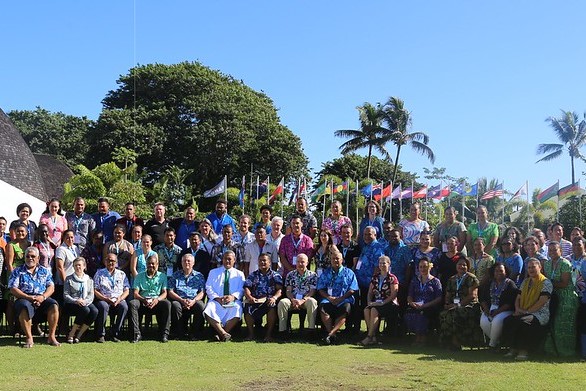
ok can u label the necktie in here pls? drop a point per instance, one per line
(226, 282)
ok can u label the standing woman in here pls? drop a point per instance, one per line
(371, 218)
(481, 261)
(412, 227)
(516, 236)
(121, 247)
(559, 271)
(139, 257)
(323, 251)
(335, 221)
(64, 257)
(381, 300)
(509, 255)
(460, 318)
(78, 295)
(53, 217)
(425, 250)
(14, 258)
(92, 253)
(446, 264)
(23, 211)
(497, 301)
(46, 247)
(483, 229)
(424, 302)
(448, 228)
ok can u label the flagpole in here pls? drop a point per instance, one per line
(391, 202)
(268, 188)
(382, 201)
(323, 216)
(226, 187)
(477, 193)
(347, 195)
(356, 203)
(463, 200)
(425, 203)
(251, 180)
(528, 205)
(371, 186)
(504, 202)
(557, 212)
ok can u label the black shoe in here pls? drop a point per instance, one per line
(165, 339)
(137, 339)
(115, 339)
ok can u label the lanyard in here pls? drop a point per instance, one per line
(381, 281)
(459, 282)
(296, 245)
(112, 279)
(301, 279)
(345, 251)
(169, 254)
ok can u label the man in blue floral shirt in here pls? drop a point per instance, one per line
(336, 287)
(186, 289)
(32, 287)
(262, 288)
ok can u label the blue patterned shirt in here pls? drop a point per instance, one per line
(187, 287)
(263, 285)
(340, 283)
(400, 259)
(31, 283)
(111, 286)
(367, 262)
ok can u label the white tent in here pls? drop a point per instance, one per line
(11, 196)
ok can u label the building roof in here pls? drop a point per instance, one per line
(18, 166)
(55, 174)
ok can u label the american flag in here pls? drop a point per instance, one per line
(496, 191)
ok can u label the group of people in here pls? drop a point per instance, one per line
(468, 284)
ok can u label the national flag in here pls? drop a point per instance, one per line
(433, 191)
(421, 193)
(443, 192)
(407, 193)
(377, 189)
(366, 190)
(278, 190)
(386, 193)
(242, 192)
(341, 188)
(220, 188)
(320, 191)
(459, 189)
(396, 194)
(570, 190)
(470, 191)
(521, 192)
(496, 191)
(262, 188)
(548, 193)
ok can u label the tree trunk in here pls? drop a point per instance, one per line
(397, 163)
(368, 162)
(572, 160)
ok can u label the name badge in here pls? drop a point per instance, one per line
(444, 247)
(456, 300)
(169, 270)
(298, 296)
(330, 292)
(419, 302)
(319, 271)
(494, 307)
(294, 261)
(378, 301)
(358, 264)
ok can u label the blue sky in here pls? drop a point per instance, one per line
(480, 78)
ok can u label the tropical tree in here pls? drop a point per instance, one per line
(398, 121)
(571, 132)
(371, 135)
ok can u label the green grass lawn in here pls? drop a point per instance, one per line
(151, 365)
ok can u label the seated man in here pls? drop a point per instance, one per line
(111, 288)
(224, 290)
(186, 289)
(150, 296)
(300, 287)
(336, 287)
(262, 288)
(32, 287)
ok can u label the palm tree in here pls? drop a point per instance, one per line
(371, 134)
(571, 132)
(398, 121)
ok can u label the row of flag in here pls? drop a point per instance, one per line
(378, 191)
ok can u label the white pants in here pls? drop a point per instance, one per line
(285, 305)
(223, 314)
(493, 329)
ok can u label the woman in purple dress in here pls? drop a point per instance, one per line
(423, 301)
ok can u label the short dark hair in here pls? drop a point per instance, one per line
(103, 199)
(266, 207)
